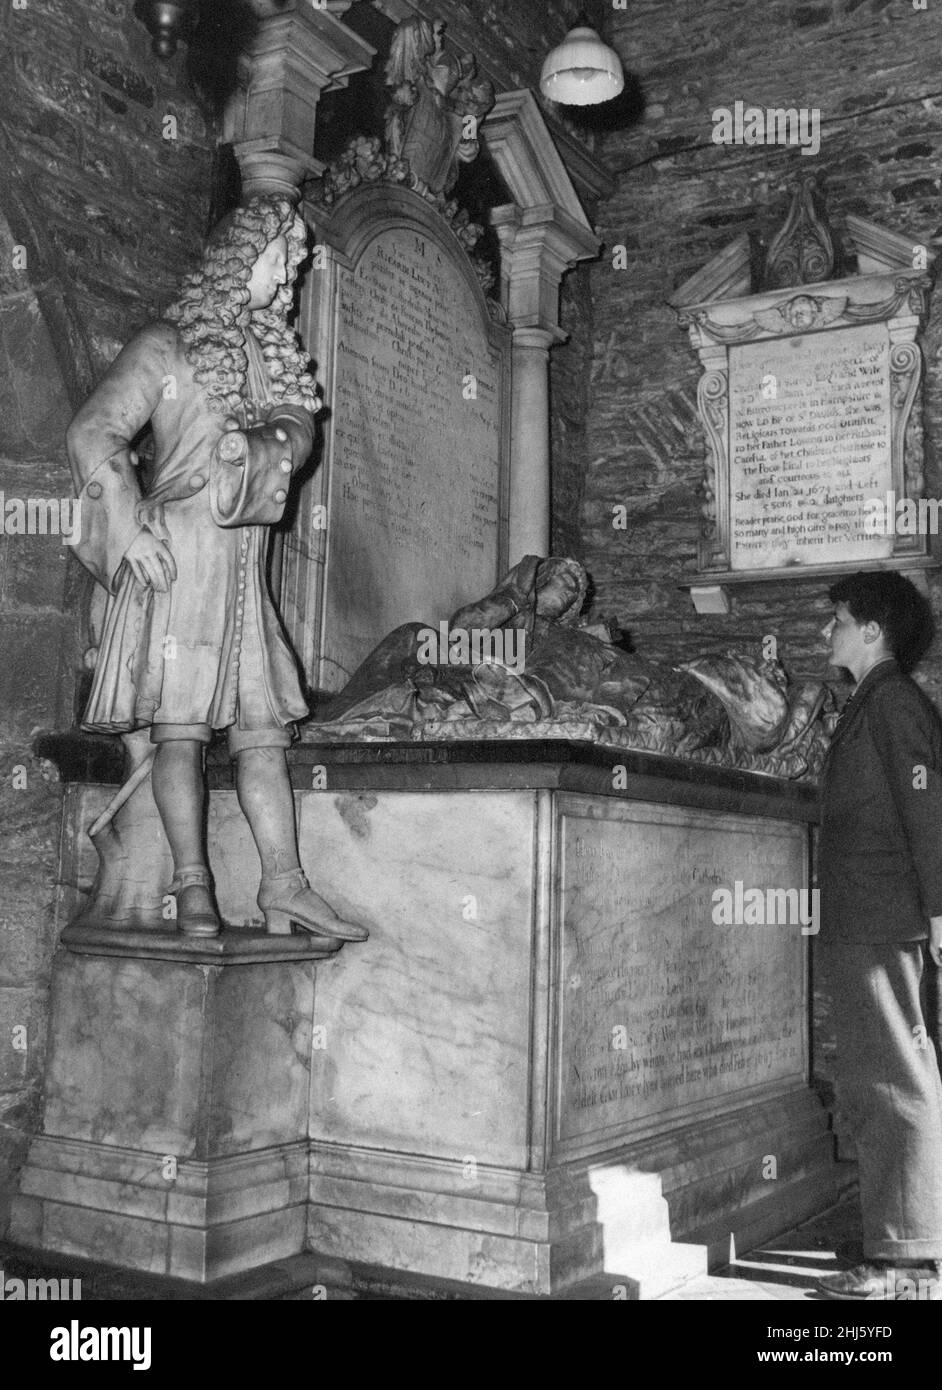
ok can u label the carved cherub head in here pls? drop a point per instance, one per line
(802, 311)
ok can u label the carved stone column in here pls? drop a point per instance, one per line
(542, 234)
(299, 50)
(529, 532)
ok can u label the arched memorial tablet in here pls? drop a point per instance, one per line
(412, 492)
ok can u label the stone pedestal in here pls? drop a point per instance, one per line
(176, 1103)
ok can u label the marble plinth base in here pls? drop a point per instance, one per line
(527, 1233)
(176, 1104)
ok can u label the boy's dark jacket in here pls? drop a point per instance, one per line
(880, 851)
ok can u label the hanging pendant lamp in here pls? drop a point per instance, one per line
(582, 71)
(168, 21)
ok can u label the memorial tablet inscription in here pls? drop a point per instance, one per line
(809, 443)
(663, 1011)
(416, 453)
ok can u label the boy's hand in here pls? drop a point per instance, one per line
(935, 939)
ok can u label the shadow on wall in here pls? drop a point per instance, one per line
(223, 28)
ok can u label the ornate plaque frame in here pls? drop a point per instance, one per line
(896, 299)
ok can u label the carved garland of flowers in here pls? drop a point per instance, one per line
(363, 160)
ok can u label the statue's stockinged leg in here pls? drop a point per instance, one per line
(285, 896)
(179, 791)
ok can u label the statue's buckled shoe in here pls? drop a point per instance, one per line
(287, 899)
(196, 911)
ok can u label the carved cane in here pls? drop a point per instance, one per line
(123, 794)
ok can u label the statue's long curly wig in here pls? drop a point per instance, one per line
(212, 312)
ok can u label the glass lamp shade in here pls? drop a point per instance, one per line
(169, 21)
(582, 70)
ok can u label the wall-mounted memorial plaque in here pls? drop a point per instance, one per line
(406, 520)
(813, 462)
(809, 441)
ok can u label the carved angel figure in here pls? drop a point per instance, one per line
(437, 100)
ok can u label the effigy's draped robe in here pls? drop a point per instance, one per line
(210, 651)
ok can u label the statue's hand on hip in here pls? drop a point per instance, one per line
(151, 561)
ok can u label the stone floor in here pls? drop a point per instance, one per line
(781, 1270)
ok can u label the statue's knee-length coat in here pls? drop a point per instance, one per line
(211, 650)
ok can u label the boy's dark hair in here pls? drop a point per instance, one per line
(887, 598)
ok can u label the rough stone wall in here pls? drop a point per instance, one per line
(869, 67)
(99, 216)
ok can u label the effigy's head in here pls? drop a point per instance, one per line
(242, 238)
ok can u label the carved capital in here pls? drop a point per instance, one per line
(544, 232)
(266, 169)
(537, 247)
(298, 51)
(538, 340)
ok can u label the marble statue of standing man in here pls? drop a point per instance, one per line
(192, 642)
